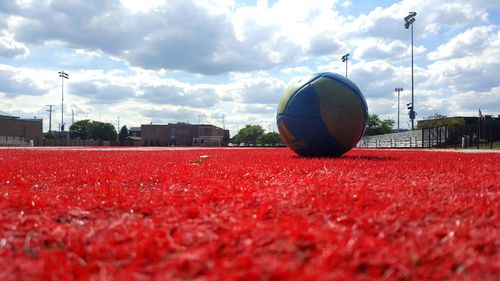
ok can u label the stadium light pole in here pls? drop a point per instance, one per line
(63, 76)
(409, 20)
(345, 58)
(398, 90)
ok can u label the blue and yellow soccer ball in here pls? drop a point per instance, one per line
(323, 114)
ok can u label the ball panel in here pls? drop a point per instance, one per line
(304, 104)
(341, 110)
(289, 139)
(348, 83)
(308, 137)
(292, 89)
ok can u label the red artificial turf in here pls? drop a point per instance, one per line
(248, 214)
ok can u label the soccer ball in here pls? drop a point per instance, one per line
(323, 114)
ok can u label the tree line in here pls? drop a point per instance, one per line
(94, 130)
(256, 135)
(249, 135)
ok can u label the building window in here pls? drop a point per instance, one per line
(205, 131)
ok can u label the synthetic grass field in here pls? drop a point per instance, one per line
(248, 214)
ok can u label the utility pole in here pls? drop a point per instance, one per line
(118, 128)
(398, 90)
(72, 117)
(63, 76)
(50, 110)
(223, 123)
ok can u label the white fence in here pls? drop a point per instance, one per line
(208, 141)
(402, 139)
(14, 141)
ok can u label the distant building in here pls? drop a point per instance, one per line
(12, 126)
(183, 134)
(133, 141)
(450, 121)
(134, 131)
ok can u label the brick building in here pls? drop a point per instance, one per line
(134, 131)
(183, 134)
(12, 126)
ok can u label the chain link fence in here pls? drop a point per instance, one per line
(482, 134)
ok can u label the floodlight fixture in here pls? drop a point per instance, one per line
(345, 58)
(410, 16)
(409, 22)
(63, 76)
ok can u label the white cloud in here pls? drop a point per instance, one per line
(258, 90)
(187, 35)
(100, 92)
(432, 16)
(194, 96)
(171, 114)
(377, 49)
(378, 79)
(346, 4)
(471, 42)
(256, 109)
(301, 70)
(488, 102)
(461, 67)
(15, 82)
(142, 6)
(10, 48)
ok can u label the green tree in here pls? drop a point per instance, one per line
(86, 129)
(49, 135)
(122, 136)
(270, 138)
(249, 135)
(103, 131)
(80, 130)
(376, 126)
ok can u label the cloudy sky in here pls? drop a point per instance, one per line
(213, 60)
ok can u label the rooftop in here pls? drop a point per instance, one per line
(4, 114)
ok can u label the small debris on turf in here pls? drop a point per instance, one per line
(200, 161)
